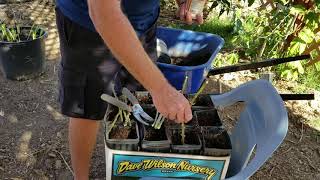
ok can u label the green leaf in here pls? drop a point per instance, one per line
(306, 35)
(312, 20)
(297, 46)
(317, 65)
(295, 75)
(250, 2)
(317, 2)
(299, 67)
(297, 9)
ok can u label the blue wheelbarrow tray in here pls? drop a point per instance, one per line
(193, 45)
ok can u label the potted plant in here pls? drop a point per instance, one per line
(187, 142)
(154, 138)
(122, 132)
(22, 51)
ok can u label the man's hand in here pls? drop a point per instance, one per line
(185, 15)
(172, 104)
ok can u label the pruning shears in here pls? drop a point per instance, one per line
(136, 108)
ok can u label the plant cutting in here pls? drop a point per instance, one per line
(121, 130)
(154, 137)
(22, 51)
(191, 144)
(183, 127)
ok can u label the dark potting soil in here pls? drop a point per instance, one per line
(152, 134)
(203, 100)
(190, 61)
(208, 118)
(121, 132)
(219, 141)
(151, 111)
(145, 99)
(191, 138)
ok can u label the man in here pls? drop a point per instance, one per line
(97, 38)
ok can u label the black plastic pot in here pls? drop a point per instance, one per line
(131, 144)
(22, 60)
(203, 101)
(208, 118)
(216, 142)
(189, 147)
(155, 140)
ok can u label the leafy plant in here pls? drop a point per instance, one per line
(17, 33)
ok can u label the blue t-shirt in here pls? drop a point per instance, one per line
(141, 13)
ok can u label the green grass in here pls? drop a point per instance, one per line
(311, 79)
(221, 27)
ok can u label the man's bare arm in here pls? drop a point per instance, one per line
(121, 39)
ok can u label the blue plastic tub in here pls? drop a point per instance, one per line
(194, 45)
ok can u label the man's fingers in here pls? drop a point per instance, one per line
(199, 18)
(182, 12)
(172, 116)
(187, 114)
(180, 115)
(188, 18)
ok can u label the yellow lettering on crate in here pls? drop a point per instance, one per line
(186, 166)
(126, 166)
(151, 164)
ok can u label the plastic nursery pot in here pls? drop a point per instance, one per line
(192, 144)
(216, 141)
(24, 59)
(123, 138)
(208, 118)
(155, 140)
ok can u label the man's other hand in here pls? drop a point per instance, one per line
(185, 15)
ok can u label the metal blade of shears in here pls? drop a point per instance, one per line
(130, 96)
(116, 102)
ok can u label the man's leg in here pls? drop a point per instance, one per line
(82, 140)
(87, 68)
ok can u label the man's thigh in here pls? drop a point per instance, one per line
(86, 69)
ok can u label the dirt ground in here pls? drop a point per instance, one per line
(33, 134)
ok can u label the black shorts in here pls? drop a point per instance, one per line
(88, 67)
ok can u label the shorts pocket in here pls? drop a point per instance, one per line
(65, 27)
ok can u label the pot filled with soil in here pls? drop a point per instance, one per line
(155, 140)
(122, 132)
(123, 137)
(190, 144)
(216, 141)
(208, 118)
(22, 51)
